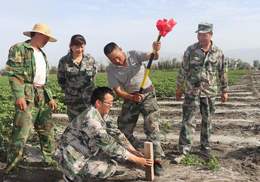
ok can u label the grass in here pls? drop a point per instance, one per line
(212, 164)
(235, 75)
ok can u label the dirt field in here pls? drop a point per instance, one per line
(235, 142)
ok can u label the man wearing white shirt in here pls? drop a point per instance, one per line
(27, 69)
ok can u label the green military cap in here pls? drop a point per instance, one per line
(205, 28)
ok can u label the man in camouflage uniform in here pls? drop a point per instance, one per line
(125, 74)
(76, 76)
(91, 144)
(203, 64)
(27, 69)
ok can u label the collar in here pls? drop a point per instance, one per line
(29, 46)
(212, 48)
(98, 115)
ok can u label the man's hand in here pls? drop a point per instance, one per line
(145, 162)
(156, 46)
(52, 105)
(141, 161)
(224, 97)
(21, 104)
(178, 94)
(137, 97)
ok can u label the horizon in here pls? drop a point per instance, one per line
(131, 24)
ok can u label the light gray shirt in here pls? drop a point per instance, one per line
(131, 76)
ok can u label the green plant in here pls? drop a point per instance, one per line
(194, 160)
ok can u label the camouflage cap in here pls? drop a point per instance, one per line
(205, 28)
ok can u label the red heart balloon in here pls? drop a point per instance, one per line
(165, 26)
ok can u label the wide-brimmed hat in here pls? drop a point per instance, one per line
(205, 28)
(43, 29)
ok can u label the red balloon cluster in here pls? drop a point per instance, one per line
(165, 26)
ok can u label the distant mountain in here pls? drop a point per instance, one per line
(247, 55)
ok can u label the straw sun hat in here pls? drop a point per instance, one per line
(43, 29)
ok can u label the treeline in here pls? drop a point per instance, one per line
(174, 63)
(256, 64)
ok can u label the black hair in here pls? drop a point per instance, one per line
(77, 40)
(110, 47)
(99, 94)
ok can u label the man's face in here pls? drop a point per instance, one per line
(41, 39)
(204, 38)
(104, 106)
(117, 57)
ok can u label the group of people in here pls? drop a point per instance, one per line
(92, 145)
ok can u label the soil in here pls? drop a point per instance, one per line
(235, 142)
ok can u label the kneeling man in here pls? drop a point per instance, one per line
(91, 145)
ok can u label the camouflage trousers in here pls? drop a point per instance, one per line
(190, 107)
(96, 167)
(74, 109)
(37, 114)
(150, 111)
(77, 106)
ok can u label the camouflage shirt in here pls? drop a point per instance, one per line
(200, 71)
(87, 136)
(20, 68)
(76, 81)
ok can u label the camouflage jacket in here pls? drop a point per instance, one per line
(87, 136)
(20, 68)
(76, 81)
(200, 72)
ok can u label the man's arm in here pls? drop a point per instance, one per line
(113, 130)
(156, 48)
(125, 95)
(110, 146)
(61, 74)
(104, 140)
(47, 91)
(183, 71)
(16, 72)
(223, 69)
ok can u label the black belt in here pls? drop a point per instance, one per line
(146, 90)
(38, 86)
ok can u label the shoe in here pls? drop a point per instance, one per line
(158, 169)
(66, 178)
(3, 157)
(205, 153)
(10, 169)
(119, 173)
(179, 158)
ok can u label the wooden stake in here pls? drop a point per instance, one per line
(148, 153)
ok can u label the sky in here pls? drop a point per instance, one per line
(130, 23)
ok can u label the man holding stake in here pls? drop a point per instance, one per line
(130, 80)
(125, 74)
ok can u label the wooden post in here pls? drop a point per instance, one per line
(148, 153)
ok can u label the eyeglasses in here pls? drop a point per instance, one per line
(108, 103)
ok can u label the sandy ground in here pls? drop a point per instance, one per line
(235, 142)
